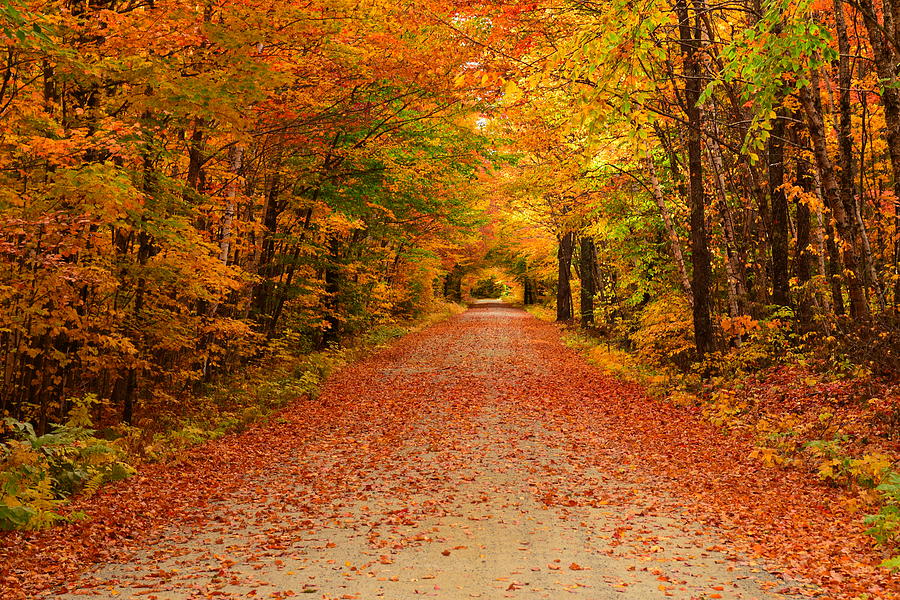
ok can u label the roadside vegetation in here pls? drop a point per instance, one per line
(39, 474)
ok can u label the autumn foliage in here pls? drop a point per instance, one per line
(182, 182)
(194, 194)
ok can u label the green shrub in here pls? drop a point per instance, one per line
(380, 336)
(37, 472)
(884, 526)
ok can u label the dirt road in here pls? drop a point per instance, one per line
(477, 459)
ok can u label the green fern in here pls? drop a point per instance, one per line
(93, 484)
(38, 473)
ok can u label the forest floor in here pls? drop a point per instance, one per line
(479, 458)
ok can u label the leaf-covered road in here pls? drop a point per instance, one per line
(476, 459)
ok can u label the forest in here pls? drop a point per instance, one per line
(706, 195)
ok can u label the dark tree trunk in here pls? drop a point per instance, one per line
(884, 52)
(847, 170)
(263, 305)
(564, 284)
(527, 290)
(146, 250)
(844, 130)
(453, 284)
(332, 332)
(588, 259)
(834, 270)
(128, 397)
(195, 156)
(779, 232)
(700, 259)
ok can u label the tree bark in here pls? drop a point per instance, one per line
(700, 259)
(332, 332)
(803, 255)
(779, 231)
(671, 234)
(884, 52)
(195, 156)
(845, 147)
(588, 258)
(734, 268)
(453, 284)
(236, 155)
(831, 193)
(564, 284)
(528, 295)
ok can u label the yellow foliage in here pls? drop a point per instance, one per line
(870, 469)
(683, 399)
(768, 456)
(830, 469)
(610, 359)
(865, 472)
(666, 330)
(725, 408)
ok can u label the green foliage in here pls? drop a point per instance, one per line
(770, 60)
(869, 472)
(891, 563)
(756, 345)
(17, 23)
(37, 472)
(211, 199)
(866, 472)
(380, 336)
(885, 525)
(827, 449)
(489, 288)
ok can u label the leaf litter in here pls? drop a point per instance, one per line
(477, 458)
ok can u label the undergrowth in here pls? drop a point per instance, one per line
(40, 473)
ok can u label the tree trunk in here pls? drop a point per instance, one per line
(700, 260)
(195, 156)
(564, 285)
(236, 155)
(779, 231)
(332, 331)
(453, 284)
(734, 267)
(674, 243)
(824, 243)
(588, 257)
(803, 256)
(885, 57)
(831, 193)
(262, 303)
(527, 291)
(845, 148)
